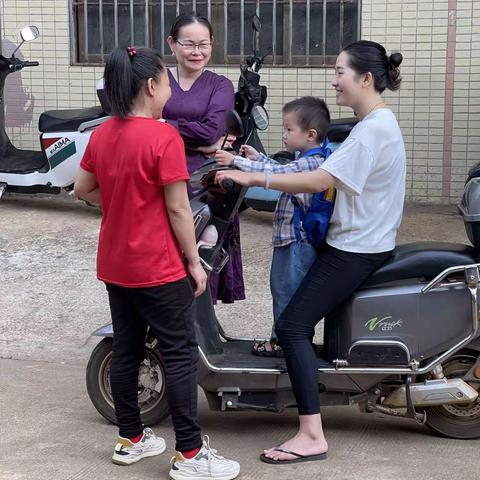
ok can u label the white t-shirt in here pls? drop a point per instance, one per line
(369, 168)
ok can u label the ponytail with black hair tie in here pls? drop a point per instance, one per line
(126, 71)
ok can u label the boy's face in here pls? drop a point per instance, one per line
(294, 137)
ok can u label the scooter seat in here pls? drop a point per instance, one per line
(67, 120)
(422, 260)
(340, 128)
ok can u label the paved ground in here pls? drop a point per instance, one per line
(50, 302)
(51, 431)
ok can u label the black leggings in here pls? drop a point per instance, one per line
(333, 277)
(169, 311)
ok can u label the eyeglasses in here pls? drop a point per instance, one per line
(204, 46)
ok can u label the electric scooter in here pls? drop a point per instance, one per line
(405, 344)
(63, 140)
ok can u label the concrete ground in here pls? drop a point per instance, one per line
(50, 302)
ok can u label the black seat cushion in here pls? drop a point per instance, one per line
(66, 120)
(340, 128)
(422, 260)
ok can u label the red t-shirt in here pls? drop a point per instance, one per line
(133, 159)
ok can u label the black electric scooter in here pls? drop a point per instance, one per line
(405, 344)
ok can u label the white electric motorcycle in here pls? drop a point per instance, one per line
(63, 139)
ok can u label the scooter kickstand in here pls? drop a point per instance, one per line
(419, 417)
(3, 187)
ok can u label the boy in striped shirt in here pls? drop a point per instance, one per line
(305, 124)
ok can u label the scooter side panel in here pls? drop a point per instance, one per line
(64, 158)
(65, 155)
(426, 323)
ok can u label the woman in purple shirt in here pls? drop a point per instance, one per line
(198, 108)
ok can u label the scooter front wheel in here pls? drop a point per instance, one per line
(152, 398)
(457, 421)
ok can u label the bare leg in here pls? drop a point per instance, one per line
(309, 439)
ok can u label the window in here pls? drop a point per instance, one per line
(299, 33)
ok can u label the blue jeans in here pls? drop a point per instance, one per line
(290, 264)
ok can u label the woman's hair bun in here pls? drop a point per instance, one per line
(367, 56)
(396, 59)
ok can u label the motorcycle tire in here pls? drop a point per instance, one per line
(460, 421)
(153, 404)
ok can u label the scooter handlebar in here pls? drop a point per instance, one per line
(16, 65)
(228, 184)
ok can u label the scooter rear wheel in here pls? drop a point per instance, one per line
(457, 421)
(152, 398)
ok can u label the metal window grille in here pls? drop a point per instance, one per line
(299, 33)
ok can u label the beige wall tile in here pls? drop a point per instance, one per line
(416, 28)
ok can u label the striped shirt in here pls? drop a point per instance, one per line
(283, 229)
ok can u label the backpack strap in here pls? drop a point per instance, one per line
(298, 211)
(298, 216)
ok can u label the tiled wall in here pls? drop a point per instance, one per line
(439, 101)
(440, 94)
(466, 127)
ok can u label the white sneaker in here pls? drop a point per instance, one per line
(126, 452)
(206, 465)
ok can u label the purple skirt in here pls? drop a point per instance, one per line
(228, 285)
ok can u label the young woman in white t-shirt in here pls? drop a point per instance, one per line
(368, 171)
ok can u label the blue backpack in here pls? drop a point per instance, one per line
(316, 219)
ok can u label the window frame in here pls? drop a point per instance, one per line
(216, 9)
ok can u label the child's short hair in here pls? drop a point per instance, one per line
(312, 113)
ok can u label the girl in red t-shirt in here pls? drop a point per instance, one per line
(135, 167)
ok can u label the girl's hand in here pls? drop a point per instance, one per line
(198, 276)
(242, 178)
(248, 152)
(224, 158)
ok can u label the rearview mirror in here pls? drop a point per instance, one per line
(29, 33)
(256, 23)
(260, 117)
(234, 124)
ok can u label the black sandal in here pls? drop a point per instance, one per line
(299, 458)
(260, 349)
